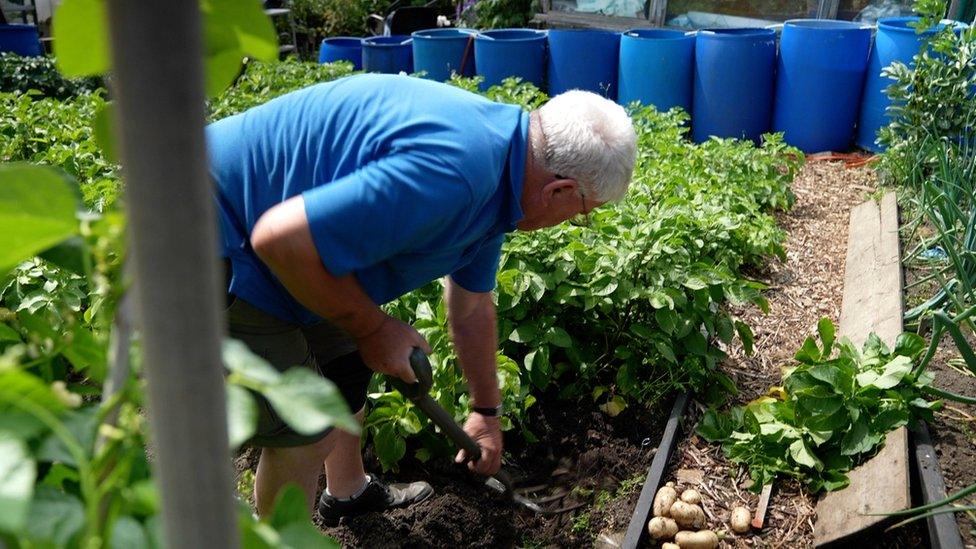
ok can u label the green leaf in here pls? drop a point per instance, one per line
(745, 334)
(37, 211)
(894, 371)
(17, 475)
(525, 333)
(242, 415)
(695, 343)
(87, 353)
(102, 127)
(81, 43)
(802, 455)
(389, 445)
(826, 329)
(128, 533)
(8, 334)
(290, 506)
(17, 387)
(559, 337)
(809, 353)
(68, 254)
(857, 440)
(234, 29)
(910, 345)
(239, 359)
(55, 517)
(310, 403)
(82, 424)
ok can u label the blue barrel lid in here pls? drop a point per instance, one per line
(443, 34)
(511, 35)
(737, 33)
(392, 41)
(343, 41)
(903, 25)
(826, 24)
(658, 34)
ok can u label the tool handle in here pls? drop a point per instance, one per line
(442, 419)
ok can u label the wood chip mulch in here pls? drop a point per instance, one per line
(806, 287)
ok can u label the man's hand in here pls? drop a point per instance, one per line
(387, 349)
(486, 432)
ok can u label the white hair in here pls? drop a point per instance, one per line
(590, 139)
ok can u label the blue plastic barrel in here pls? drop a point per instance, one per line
(440, 52)
(583, 59)
(819, 79)
(20, 39)
(389, 54)
(896, 40)
(733, 94)
(342, 48)
(657, 68)
(510, 52)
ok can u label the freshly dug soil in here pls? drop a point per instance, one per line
(586, 463)
(581, 453)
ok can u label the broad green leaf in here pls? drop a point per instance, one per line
(242, 415)
(55, 517)
(809, 353)
(289, 506)
(614, 406)
(695, 343)
(894, 371)
(910, 345)
(68, 254)
(82, 424)
(526, 333)
(745, 334)
(233, 30)
(559, 337)
(857, 440)
(37, 211)
(81, 42)
(8, 334)
(129, 533)
(802, 455)
(86, 353)
(389, 445)
(240, 360)
(310, 403)
(19, 387)
(17, 475)
(102, 127)
(826, 330)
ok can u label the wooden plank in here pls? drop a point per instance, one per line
(943, 529)
(642, 511)
(872, 303)
(568, 19)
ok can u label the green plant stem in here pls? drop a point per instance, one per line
(86, 479)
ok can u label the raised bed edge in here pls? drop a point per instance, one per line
(636, 530)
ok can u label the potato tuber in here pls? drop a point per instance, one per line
(687, 515)
(662, 528)
(665, 497)
(705, 539)
(691, 496)
(740, 520)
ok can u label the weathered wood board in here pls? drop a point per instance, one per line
(872, 303)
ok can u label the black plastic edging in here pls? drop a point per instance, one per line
(943, 529)
(638, 521)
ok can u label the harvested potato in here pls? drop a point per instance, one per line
(740, 520)
(662, 528)
(670, 545)
(691, 496)
(665, 497)
(705, 539)
(687, 515)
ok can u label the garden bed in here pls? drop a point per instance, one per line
(953, 432)
(801, 290)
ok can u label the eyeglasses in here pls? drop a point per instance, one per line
(583, 219)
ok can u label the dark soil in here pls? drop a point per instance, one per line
(588, 464)
(954, 429)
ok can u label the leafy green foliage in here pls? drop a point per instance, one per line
(832, 412)
(498, 14)
(37, 210)
(39, 76)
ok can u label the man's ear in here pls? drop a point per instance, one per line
(554, 189)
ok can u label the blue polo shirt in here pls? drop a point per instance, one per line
(404, 180)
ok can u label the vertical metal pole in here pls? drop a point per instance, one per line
(157, 60)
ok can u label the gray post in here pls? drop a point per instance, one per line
(157, 60)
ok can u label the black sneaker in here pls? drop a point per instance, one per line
(376, 497)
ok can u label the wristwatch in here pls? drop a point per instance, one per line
(494, 411)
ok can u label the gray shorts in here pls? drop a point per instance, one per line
(324, 347)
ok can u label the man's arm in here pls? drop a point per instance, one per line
(474, 332)
(283, 241)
